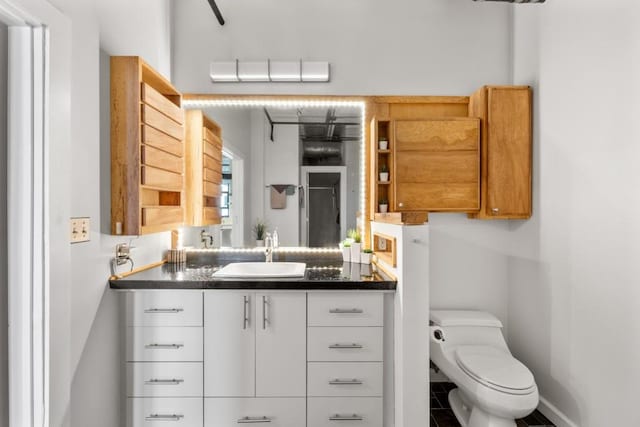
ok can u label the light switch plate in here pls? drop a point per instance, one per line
(80, 230)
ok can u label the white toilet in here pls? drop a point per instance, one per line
(494, 389)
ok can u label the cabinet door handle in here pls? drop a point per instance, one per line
(338, 346)
(338, 417)
(265, 320)
(164, 346)
(346, 311)
(338, 381)
(495, 211)
(400, 205)
(156, 381)
(163, 310)
(245, 317)
(164, 417)
(253, 420)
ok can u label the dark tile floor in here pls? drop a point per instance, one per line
(442, 415)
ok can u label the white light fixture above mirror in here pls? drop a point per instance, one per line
(269, 71)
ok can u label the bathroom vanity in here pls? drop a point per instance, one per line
(203, 351)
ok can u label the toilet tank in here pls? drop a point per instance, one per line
(468, 327)
(464, 318)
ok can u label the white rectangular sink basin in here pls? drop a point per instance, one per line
(243, 270)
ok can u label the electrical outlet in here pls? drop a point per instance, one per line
(80, 229)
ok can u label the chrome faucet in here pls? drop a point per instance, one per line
(268, 250)
(204, 237)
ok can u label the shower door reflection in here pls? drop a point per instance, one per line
(325, 204)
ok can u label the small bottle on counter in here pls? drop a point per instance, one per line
(274, 238)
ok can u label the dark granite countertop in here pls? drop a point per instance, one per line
(322, 273)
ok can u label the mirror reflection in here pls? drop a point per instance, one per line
(294, 170)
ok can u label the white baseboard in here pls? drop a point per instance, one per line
(549, 410)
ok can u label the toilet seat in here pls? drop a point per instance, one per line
(495, 369)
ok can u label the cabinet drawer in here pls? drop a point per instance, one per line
(274, 412)
(345, 309)
(164, 344)
(337, 411)
(162, 411)
(164, 308)
(166, 379)
(344, 344)
(345, 379)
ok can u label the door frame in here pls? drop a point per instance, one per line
(27, 216)
(304, 212)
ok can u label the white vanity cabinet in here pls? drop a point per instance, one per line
(229, 344)
(219, 358)
(255, 344)
(255, 358)
(345, 359)
(164, 358)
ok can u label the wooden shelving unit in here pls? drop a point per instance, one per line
(381, 189)
(204, 169)
(147, 149)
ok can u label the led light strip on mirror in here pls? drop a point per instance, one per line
(302, 103)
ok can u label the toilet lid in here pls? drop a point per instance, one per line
(495, 369)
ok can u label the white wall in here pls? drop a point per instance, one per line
(375, 47)
(281, 166)
(274, 162)
(573, 271)
(4, 404)
(415, 47)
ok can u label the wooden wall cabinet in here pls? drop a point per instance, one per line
(505, 112)
(436, 165)
(147, 150)
(204, 169)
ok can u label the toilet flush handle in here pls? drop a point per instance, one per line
(438, 335)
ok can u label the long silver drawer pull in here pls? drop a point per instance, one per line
(253, 420)
(173, 381)
(165, 346)
(345, 345)
(346, 310)
(164, 417)
(338, 381)
(164, 310)
(264, 312)
(245, 322)
(338, 417)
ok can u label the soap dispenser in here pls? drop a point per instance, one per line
(274, 238)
